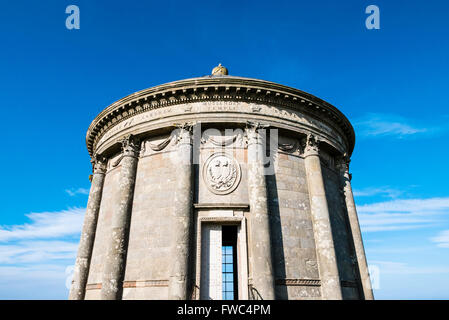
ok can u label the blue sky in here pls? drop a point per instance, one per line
(391, 83)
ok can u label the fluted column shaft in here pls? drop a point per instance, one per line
(262, 267)
(327, 263)
(82, 264)
(182, 216)
(114, 269)
(356, 233)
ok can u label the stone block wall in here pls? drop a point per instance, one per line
(293, 245)
(295, 265)
(285, 250)
(149, 256)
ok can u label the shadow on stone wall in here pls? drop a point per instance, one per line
(342, 235)
(277, 243)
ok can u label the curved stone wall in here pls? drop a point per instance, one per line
(268, 159)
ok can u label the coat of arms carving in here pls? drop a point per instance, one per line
(221, 173)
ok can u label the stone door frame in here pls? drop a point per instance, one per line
(224, 216)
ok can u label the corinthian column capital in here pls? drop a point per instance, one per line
(130, 146)
(253, 132)
(342, 163)
(99, 164)
(184, 135)
(311, 146)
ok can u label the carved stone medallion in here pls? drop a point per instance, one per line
(221, 173)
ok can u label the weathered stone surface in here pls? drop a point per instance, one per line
(182, 217)
(321, 218)
(340, 232)
(110, 192)
(85, 248)
(262, 268)
(293, 241)
(149, 239)
(297, 230)
(114, 269)
(362, 274)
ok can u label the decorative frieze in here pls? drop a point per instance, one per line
(162, 145)
(288, 147)
(254, 92)
(219, 141)
(232, 138)
(295, 118)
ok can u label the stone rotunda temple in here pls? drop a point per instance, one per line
(221, 187)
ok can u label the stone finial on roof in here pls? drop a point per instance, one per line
(219, 71)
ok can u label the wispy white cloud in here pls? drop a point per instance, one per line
(382, 191)
(43, 271)
(402, 214)
(379, 125)
(392, 267)
(73, 192)
(424, 206)
(37, 251)
(35, 281)
(388, 249)
(442, 239)
(45, 225)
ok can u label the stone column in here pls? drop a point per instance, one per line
(327, 261)
(114, 267)
(81, 272)
(182, 215)
(262, 267)
(355, 230)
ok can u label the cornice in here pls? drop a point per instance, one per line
(217, 88)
